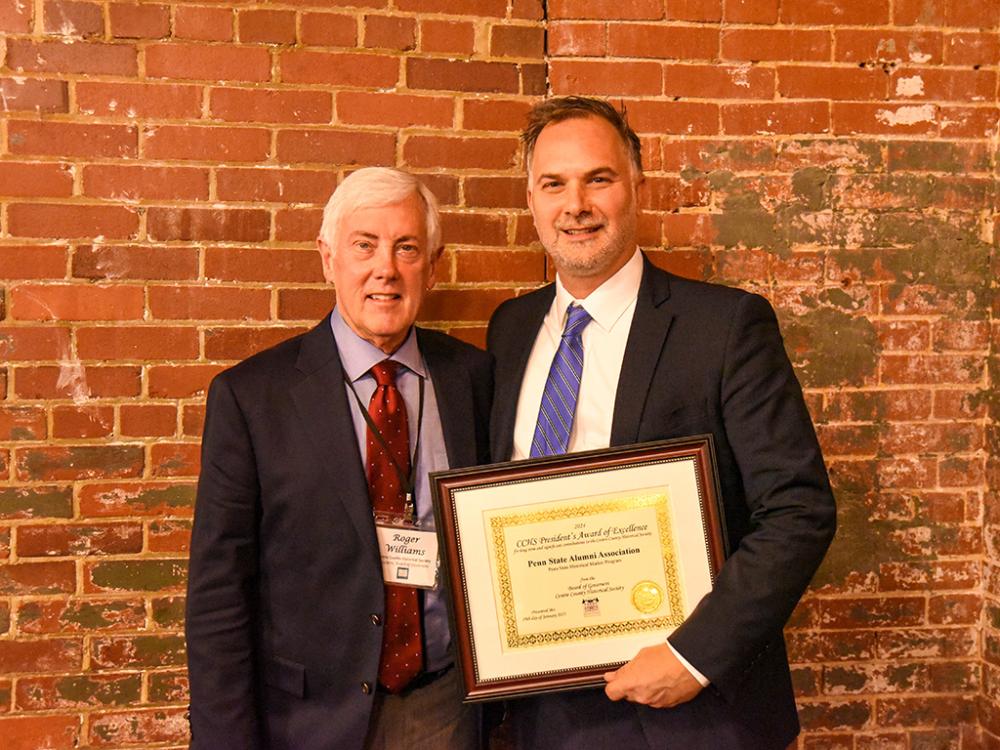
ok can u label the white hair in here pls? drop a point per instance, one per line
(372, 187)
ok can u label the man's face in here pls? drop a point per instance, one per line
(382, 268)
(582, 195)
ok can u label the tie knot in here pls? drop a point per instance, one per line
(576, 321)
(385, 372)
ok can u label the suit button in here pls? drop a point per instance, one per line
(366, 688)
(376, 620)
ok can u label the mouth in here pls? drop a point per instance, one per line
(581, 232)
(379, 297)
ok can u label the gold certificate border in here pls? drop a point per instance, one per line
(659, 501)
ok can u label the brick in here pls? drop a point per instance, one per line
(89, 58)
(438, 35)
(33, 579)
(22, 343)
(609, 78)
(82, 691)
(873, 46)
(531, 10)
(79, 539)
(168, 687)
(263, 265)
(135, 262)
(673, 117)
(141, 342)
(390, 32)
(658, 41)
(211, 224)
(72, 139)
(830, 714)
(971, 48)
(35, 180)
(170, 536)
(943, 710)
(135, 21)
(35, 502)
(207, 63)
(495, 192)
(213, 144)
(718, 81)
(462, 304)
(954, 609)
(140, 651)
(931, 369)
(517, 41)
(395, 110)
(494, 114)
(303, 304)
(904, 335)
(695, 10)
(260, 105)
(142, 727)
(339, 69)
(534, 79)
(776, 44)
(22, 423)
(135, 575)
(854, 613)
(510, 265)
(131, 183)
(79, 462)
(328, 29)
(944, 85)
(147, 100)
(193, 420)
(185, 381)
(751, 11)
(336, 147)
(21, 94)
(958, 404)
(462, 75)
(876, 678)
(275, 185)
(71, 18)
(460, 153)
(923, 643)
(605, 9)
(15, 16)
(72, 220)
(943, 13)
(209, 303)
(266, 26)
(179, 459)
(204, 24)
(747, 119)
(494, 8)
(77, 381)
(962, 335)
(148, 420)
(240, 343)
(806, 12)
(808, 82)
(168, 611)
(155, 499)
(76, 302)
(896, 119)
(968, 122)
(82, 421)
(297, 224)
(576, 39)
(32, 732)
(474, 229)
(936, 156)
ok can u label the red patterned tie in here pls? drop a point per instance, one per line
(402, 640)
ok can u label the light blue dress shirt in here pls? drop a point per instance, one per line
(357, 357)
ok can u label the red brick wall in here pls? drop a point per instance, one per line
(162, 172)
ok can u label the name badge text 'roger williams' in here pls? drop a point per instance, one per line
(409, 556)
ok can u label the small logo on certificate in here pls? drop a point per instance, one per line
(402, 573)
(647, 597)
(592, 607)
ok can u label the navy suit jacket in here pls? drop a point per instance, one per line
(701, 358)
(285, 581)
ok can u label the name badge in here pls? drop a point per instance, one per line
(409, 555)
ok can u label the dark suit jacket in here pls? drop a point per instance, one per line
(701, 358)
(285, 578)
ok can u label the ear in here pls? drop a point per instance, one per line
(432, 267)
(326, 258)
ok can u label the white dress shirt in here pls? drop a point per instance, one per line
(611, 307)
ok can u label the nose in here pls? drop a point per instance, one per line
(576, 199)
(385, 266)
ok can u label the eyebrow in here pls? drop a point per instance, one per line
(591, 173)
(373, 236)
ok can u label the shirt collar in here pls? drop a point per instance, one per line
(610, 300)
(357, 355)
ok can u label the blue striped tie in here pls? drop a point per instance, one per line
(555, 415)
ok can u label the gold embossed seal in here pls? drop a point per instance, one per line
(647, 597)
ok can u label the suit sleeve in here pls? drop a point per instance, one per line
(222, 581)
(792, 512)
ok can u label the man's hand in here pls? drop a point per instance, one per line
(654, 677)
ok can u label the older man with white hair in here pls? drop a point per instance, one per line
(315, 617)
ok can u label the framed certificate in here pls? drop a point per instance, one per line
(562, 568)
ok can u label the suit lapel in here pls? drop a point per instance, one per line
(453, 392)
(511, 361)
(642, 353)
(321, 402)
